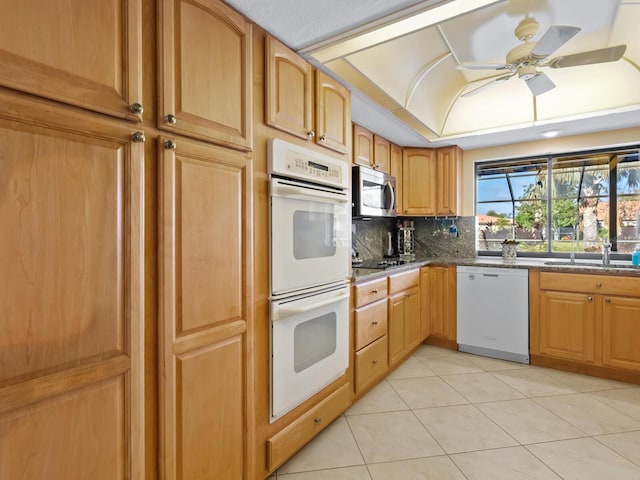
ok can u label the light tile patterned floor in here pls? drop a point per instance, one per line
(446, 415)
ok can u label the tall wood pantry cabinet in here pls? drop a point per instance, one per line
(127, 264)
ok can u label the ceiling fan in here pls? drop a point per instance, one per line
(524, 59)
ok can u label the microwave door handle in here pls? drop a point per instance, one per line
(285, 312)
(393, 196)
(290, 191)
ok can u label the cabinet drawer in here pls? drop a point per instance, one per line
(291, 438)
(575, 282)
(404, 281)
(371, 363)
(371, 323)
(370, 291)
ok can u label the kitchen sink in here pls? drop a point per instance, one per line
(567, 263)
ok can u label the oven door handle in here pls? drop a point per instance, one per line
(285, 312)
(301, 192)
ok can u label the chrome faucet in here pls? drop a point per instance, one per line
(606, 253)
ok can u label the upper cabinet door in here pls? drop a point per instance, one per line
(419, 181)
(81, 52)
(362, 146)
(381, 154)
(333, 114)
(205, 72)
(289, 84)
(448, 191)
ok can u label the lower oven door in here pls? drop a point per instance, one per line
(310, 236)
(309, 346)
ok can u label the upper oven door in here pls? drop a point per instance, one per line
(310, 236)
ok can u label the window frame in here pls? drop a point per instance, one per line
(551, 160)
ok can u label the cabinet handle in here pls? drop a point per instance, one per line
(136, 108)
(170, 119)
(323, 138)
(607, 300)
(598, 284)
(375, 362)
(311, 134)
(170, 145)
(374, 291)
(317, 421)
(138, 137)
(374, 322)
(590, 299)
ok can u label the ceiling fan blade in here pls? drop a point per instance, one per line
(553, 39)
(493, 81)
(610, 54)
(540, 84)
(482, 66)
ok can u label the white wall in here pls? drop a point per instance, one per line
(612, 138)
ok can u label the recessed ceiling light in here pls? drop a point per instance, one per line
(550, 133)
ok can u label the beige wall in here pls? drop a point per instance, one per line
(541, 147)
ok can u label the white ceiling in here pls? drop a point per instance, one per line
(406, 87)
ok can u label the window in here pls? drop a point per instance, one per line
(560, 204)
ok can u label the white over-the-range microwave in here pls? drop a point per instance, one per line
(373, 193)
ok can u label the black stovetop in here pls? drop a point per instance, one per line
(380, 264)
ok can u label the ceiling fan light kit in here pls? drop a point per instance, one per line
(525, 59)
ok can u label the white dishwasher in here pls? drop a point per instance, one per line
(493, 312)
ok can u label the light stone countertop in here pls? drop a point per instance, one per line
(617, 267)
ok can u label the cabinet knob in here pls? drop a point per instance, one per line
(590, 299)
(598, 284)
(607, 300)
(136, 108)
(311, 134)
(170, 119)
(138, 137)
(374, 322)
(375, 362)
(374, 291)
(323, 138)
(317, 421)
(170, 145)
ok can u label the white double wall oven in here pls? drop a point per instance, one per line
(310, 228)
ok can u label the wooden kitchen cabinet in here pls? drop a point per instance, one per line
(333, 114)
(438, 302)
(418, 182)
(205, 224)
(404, 314)
(72, 399)
(448, 166)
(591, 320)
(371, 150)
(370, 325)
(567, 325)
(315, 108)
(621, 332)
(82, 52)
(205, 72)
(381, 154)
(289, 90)
(430, 181)
(362, 146)
(395, 169)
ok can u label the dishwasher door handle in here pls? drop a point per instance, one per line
(494, 275)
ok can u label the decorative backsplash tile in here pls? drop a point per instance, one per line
(434, 237)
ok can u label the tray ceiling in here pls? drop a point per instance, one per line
(399, 58)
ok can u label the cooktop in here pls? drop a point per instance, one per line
(380, 264)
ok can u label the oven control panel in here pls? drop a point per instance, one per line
(293, 161)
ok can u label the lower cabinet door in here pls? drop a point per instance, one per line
(371, 363)
(620, 331)
(567, 325)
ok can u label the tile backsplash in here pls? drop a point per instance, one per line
(432, 237)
